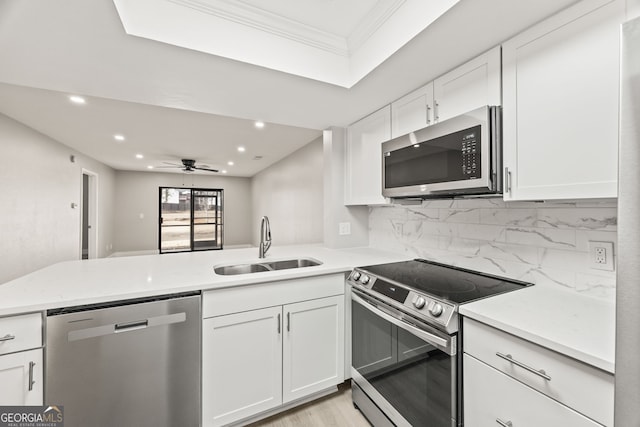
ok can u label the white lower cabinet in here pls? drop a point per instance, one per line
(256, 360)
(242, 365)
(313, 356)
(514, 380)
(21, 360)
(492, 398)
(21, 378)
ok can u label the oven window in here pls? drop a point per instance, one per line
(453, 157)
(416, 378)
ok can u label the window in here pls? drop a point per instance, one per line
(190, 219)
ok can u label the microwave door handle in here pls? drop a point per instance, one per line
(430, 338)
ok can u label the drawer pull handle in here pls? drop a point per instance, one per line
(509, 358)
(278, 323)
(31, 380)
(504, 423)
(8, 337)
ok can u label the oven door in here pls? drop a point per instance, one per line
(408, 369)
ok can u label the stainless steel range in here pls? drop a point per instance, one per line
(406, 364)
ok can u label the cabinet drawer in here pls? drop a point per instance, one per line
(235, 300)
(491, 397)
(20, 333)
(582, 387)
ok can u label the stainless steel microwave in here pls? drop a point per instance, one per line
(458, 156)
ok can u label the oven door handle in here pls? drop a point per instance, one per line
(443, 344)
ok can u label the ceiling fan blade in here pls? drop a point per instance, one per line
(205, 169)
(169, 167)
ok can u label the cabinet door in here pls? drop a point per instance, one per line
(470, 86)
(241, 365)
(21, 378)
(561, 105)
(313, 350)
(363, 158)
(491, 396)
(412, 112)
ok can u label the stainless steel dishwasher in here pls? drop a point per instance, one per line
(128, 364)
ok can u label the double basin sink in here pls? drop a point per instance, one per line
(227, 270)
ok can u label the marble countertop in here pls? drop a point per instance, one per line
(578, 326)
(111, 279)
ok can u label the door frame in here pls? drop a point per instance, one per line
(93, 213)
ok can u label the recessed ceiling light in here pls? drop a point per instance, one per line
(259, 124)
(149, 167)
(223, 171)
(241, 149)
(230, 163)
(118, 137)
(139, 156)
(77, 99)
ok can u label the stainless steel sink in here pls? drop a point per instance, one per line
(227, 270)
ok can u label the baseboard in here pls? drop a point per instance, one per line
(133, 253)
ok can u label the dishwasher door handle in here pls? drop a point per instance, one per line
(129, 326)
(118, 328)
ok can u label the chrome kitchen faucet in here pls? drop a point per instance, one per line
(265, 237)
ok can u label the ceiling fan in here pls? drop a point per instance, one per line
(189, 165)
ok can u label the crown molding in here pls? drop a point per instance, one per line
(372, 22)
(259, 19)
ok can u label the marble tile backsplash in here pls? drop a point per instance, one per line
(543, 243)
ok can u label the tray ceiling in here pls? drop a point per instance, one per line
(336, 42)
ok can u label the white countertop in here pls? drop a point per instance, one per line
(110, 279)
(567, 322)
(578, 326)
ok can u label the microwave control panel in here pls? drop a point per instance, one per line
(470, 153)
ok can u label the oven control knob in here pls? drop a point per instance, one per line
(436, 310)
(356, 275)
(419, 302)
(364, 279)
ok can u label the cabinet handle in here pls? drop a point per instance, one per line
(509, 358)
(507, 180)
(31, 380)
(288, 322)
(278, 322)
(504, 423)
(436, 115)
(8, 337)
(428, 111)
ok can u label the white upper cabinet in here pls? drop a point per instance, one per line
(363, 158)
(470, 86)
(412, 112)
(560, 99)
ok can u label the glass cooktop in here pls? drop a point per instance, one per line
(443, 281)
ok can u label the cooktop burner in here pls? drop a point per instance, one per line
(449, 283)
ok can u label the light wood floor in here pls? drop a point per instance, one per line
(335, 410)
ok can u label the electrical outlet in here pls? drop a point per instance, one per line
(344, 228)
(601, 255)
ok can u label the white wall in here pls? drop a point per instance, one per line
(290, 193)
(38, 184)
(335, 212)
(542, 243)
(137, 193)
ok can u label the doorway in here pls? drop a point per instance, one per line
(89, 216)
(190, 219)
